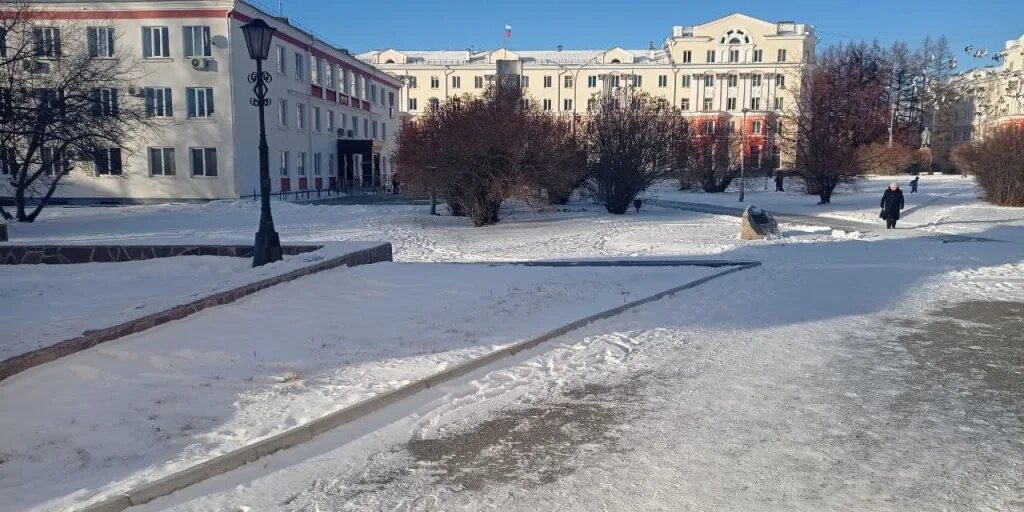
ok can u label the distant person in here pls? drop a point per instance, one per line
(913, 184)
(778, 182)
(637, 203)
(892, 203)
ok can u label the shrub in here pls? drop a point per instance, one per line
(998, 163)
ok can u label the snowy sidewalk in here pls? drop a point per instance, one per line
(147, 405)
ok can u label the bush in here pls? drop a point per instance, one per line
(881, 159)
(998, 163)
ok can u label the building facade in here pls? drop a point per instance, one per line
(733, 69)
(332, 121)
(990, 98)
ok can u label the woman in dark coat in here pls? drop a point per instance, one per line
(892, 203)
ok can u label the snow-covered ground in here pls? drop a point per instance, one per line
(57, 302)
(793, 386)
(149, 404)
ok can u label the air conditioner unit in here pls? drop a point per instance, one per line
(342, 132)
(36, 66)
(201, 63)
(136, 91)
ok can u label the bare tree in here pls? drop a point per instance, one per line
(61, 105)
(479, 151)
(842, 105)
(632, 143)
(713, 162)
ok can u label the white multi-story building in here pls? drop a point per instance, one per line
(724, 71)
(332, 121)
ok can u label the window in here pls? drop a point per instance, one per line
(547, 104)
(156, 43)
(384, 131)
(317, 124)
(317, 159)
(285, 158)
(730, 103)
(615, 80)
(755, 80)
(300, 164)
(300, 67)
(780, 81)
(197, 42)
(778, 104)
(456, 82)
(782, 55)
(755, 127)
(567, 82)
(3, 42)
(281, 60)
(158, 102)
(734, 55)
(331, 159)
(525, 81)
(101, 42)
(733, 80)
(374, 130)
(709, 104)
(47, 42)
(547, 81)
(330, 121)
(684, 104)
(435, 82)
(637, 81)
(204, 161)
(161, 162)
(711, 56)
(731, 127)
(758, 56)
(686, 81)
(300, 116)
(591, 81)
(778, 126)
(8, 162)
(332, 76)
(282, 113)
(709, 80)
(567, 104)
(104, 102)
(200, 101)
(662, 80)
(366, 127)
(478, 82)
(316, 70)
(591, 104)
(355, 126)
(52, 162)
(108, 161)
(412, 104)
(687, 57)
(412, 83)
(434, 104)
(755, 103)
(709, 127)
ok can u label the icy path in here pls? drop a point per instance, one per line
(823, 380)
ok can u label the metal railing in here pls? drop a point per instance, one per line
(345, 188)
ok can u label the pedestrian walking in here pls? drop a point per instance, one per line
(637, 203)
(778, 182)
(913, 184)
(892, 203)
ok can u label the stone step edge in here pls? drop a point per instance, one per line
(237, 458)
(17, 364)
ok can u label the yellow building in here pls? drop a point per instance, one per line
(731, 68)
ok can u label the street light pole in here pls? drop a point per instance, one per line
(258, 35)
(743, 155)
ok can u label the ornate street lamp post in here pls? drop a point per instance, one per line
(258, 35)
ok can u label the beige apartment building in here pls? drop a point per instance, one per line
(991, 97)
(727, 70)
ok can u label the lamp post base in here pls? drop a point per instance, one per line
(266, 249)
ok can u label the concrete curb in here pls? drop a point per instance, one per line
(89, 339)
(298, 435)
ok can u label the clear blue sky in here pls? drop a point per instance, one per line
(542, 24)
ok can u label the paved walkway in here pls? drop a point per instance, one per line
(841, 224)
